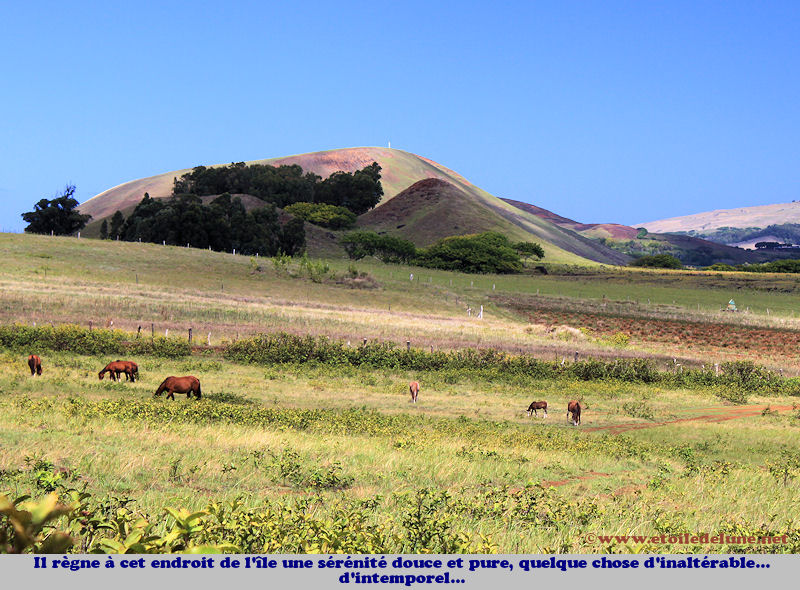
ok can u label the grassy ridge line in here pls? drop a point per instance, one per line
(342, 422)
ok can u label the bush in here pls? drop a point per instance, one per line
(658, 261)
(79, 340)
(359, 244)
(488, 252)
(323, 214)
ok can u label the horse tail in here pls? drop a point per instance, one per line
(161, 388)
(199, 393)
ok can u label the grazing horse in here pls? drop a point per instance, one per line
(532, 409)
(574, 408)
(131, 370)
(118, 367)
(413, 387)
(172, 385)
(35, 363)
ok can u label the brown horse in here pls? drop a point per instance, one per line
(413, 387)
(172, 385)
(35, 363)
(574, 408)
(532, 409)
(131, 370)
(116, 368)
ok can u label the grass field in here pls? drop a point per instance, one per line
(313, 457)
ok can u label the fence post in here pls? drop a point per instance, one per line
(209, 338)
(90, 325)
(139, 332)
(576, 356)
(190, 335)
(716, 369)
(480, 314)
(166, 333)
(408, 345)
(365, 341)
(152, 330)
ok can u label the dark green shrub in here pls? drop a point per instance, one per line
(658, 261)
(488, 252)
(323, 214)
(79, 340)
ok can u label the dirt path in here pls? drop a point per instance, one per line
(725, 413)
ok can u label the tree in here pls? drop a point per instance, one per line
(658, 261)
(57, 216)
(359, 244)
(117, 221)
(488, 252)
(104, 230)
(293, 236)
(527, 249)
(323, 214)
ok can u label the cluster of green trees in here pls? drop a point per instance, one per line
(358, 191)
(487, 252)
(57, 216)
(223, 225)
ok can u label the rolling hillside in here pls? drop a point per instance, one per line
(432, 209)
(399, 171)
(760, 216)
(429, 209)
(691, 250)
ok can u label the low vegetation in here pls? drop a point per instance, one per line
(658, 261)
(488, 252)
(305, 442)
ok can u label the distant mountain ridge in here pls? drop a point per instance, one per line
(743, 217)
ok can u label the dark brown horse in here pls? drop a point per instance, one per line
(574, 408)
(172, 385)
(35, 363)
(116, 368)
(532, 409)
(413, 387)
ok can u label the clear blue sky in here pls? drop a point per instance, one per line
(600, 111)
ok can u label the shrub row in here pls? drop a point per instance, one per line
(287, 348)
(81, 340)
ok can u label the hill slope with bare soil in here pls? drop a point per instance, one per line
(432, 209)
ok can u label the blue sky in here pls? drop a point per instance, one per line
(600, 111)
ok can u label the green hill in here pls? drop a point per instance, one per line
(428, 218)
